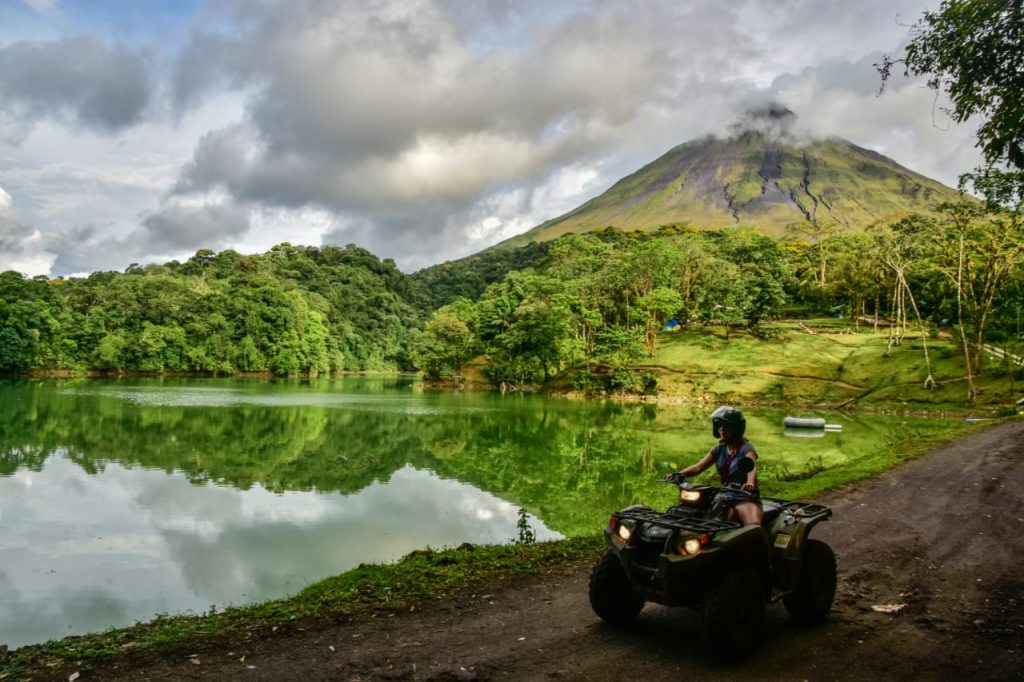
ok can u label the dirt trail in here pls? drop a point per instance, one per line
(943, 535)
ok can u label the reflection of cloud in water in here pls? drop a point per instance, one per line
(58, 607)
(229, 397)
(275, 553)
(85, 552)
(65, 612)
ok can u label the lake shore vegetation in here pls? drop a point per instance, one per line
(590, 313)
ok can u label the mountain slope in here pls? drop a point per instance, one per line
(754, 179)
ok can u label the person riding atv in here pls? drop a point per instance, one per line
(728, 426)
(694, 555)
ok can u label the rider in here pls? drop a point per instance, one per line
(728, 425)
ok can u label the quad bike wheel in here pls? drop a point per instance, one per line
(812, 599)
(731, 614)
(611, 595)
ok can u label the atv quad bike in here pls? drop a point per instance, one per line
(691, 556)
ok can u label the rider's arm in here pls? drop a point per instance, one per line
(700, 466)
(752, 474)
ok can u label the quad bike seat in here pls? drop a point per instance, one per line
(771, 512)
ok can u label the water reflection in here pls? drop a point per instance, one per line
(144, 496)
(85, 552)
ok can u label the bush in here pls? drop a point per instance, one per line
(586, 381)
(623, 381)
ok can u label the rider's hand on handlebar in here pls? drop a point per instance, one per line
(748, 487)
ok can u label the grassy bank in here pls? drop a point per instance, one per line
(826, 363)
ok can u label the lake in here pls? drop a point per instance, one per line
(121, 499)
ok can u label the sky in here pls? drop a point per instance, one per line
(140, 131)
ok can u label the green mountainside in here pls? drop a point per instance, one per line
(755, 180)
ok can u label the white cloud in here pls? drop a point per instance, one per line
(41, 5)
(21, 245)
(421, 129)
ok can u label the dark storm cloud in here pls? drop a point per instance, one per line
(14, 235)
(79, 79)
(186, 227)
(175, 231)
(21, 244)
(20, 249)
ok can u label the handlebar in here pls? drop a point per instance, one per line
(737, 488)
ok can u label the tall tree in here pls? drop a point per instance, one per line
(973, 50)
(900, 248)
(977, 253)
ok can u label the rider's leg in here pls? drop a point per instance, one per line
(750, 514)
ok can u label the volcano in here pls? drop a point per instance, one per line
(759, 177)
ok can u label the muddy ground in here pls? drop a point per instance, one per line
(941, 538)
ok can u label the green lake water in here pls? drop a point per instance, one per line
(124, 499)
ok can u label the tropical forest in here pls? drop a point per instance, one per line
(592, 312)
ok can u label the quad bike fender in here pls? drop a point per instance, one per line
(788, 537)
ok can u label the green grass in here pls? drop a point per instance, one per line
(834, 468)
(836, 365)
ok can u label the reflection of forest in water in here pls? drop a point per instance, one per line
(566, 462)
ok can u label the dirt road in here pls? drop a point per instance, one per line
(942, 535)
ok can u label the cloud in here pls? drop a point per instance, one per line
(906, 122)
(21, 245)
(41, 5)
(177, 230)
(426, 130)
(76, 79)
(187, 227)
(408, 121)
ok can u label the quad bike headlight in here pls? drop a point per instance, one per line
(689, 496)
(690, 546)
(625, 530)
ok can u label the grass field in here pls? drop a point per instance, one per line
(825, 363)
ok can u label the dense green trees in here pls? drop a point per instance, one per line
(293, 310)
(596, 303)
(589, 309)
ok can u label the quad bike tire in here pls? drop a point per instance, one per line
(731, 614)
(816, 589)
(611, 595)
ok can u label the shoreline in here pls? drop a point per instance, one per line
(985, 410)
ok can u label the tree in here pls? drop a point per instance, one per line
(655, 308)
(443, 347)
(900, 249)
(816, 234)
(12, 349)
(855, 278)
(977, 253)
(763, 272)
(973, 50)
(695, 256)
